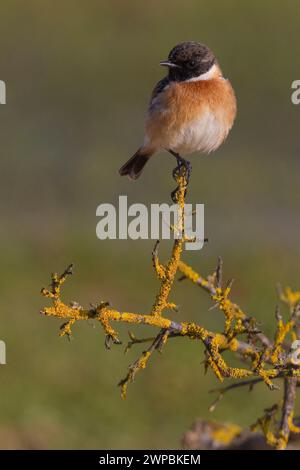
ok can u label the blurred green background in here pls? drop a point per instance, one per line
(79, 76)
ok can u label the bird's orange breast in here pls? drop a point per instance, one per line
(181, 103)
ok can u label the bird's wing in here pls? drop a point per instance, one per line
(160, 86)
(158, 89)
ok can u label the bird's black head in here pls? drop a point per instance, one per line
(189, 60)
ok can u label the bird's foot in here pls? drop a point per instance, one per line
(183, 168)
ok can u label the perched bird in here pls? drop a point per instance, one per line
(192, 109)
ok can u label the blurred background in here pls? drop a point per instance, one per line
(79, 76)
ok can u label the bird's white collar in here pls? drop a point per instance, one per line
(211, 73)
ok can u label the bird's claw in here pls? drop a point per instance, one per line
(182, 165)
(183, 168)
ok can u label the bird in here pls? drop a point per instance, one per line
(192, 109)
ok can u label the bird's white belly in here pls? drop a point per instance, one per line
(201, 135)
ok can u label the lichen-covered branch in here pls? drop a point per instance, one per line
(264, 359)
(168, 272)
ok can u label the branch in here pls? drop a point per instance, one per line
(265, 359)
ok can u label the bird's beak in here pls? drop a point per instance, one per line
(167, 63)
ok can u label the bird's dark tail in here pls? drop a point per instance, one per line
(134, 166)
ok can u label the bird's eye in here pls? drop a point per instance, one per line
(192, 63)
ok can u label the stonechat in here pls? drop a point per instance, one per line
(192, 109)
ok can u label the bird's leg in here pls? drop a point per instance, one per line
(181, 162)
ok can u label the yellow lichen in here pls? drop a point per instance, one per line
(290, 297)
(225, 433)
(292, 427)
